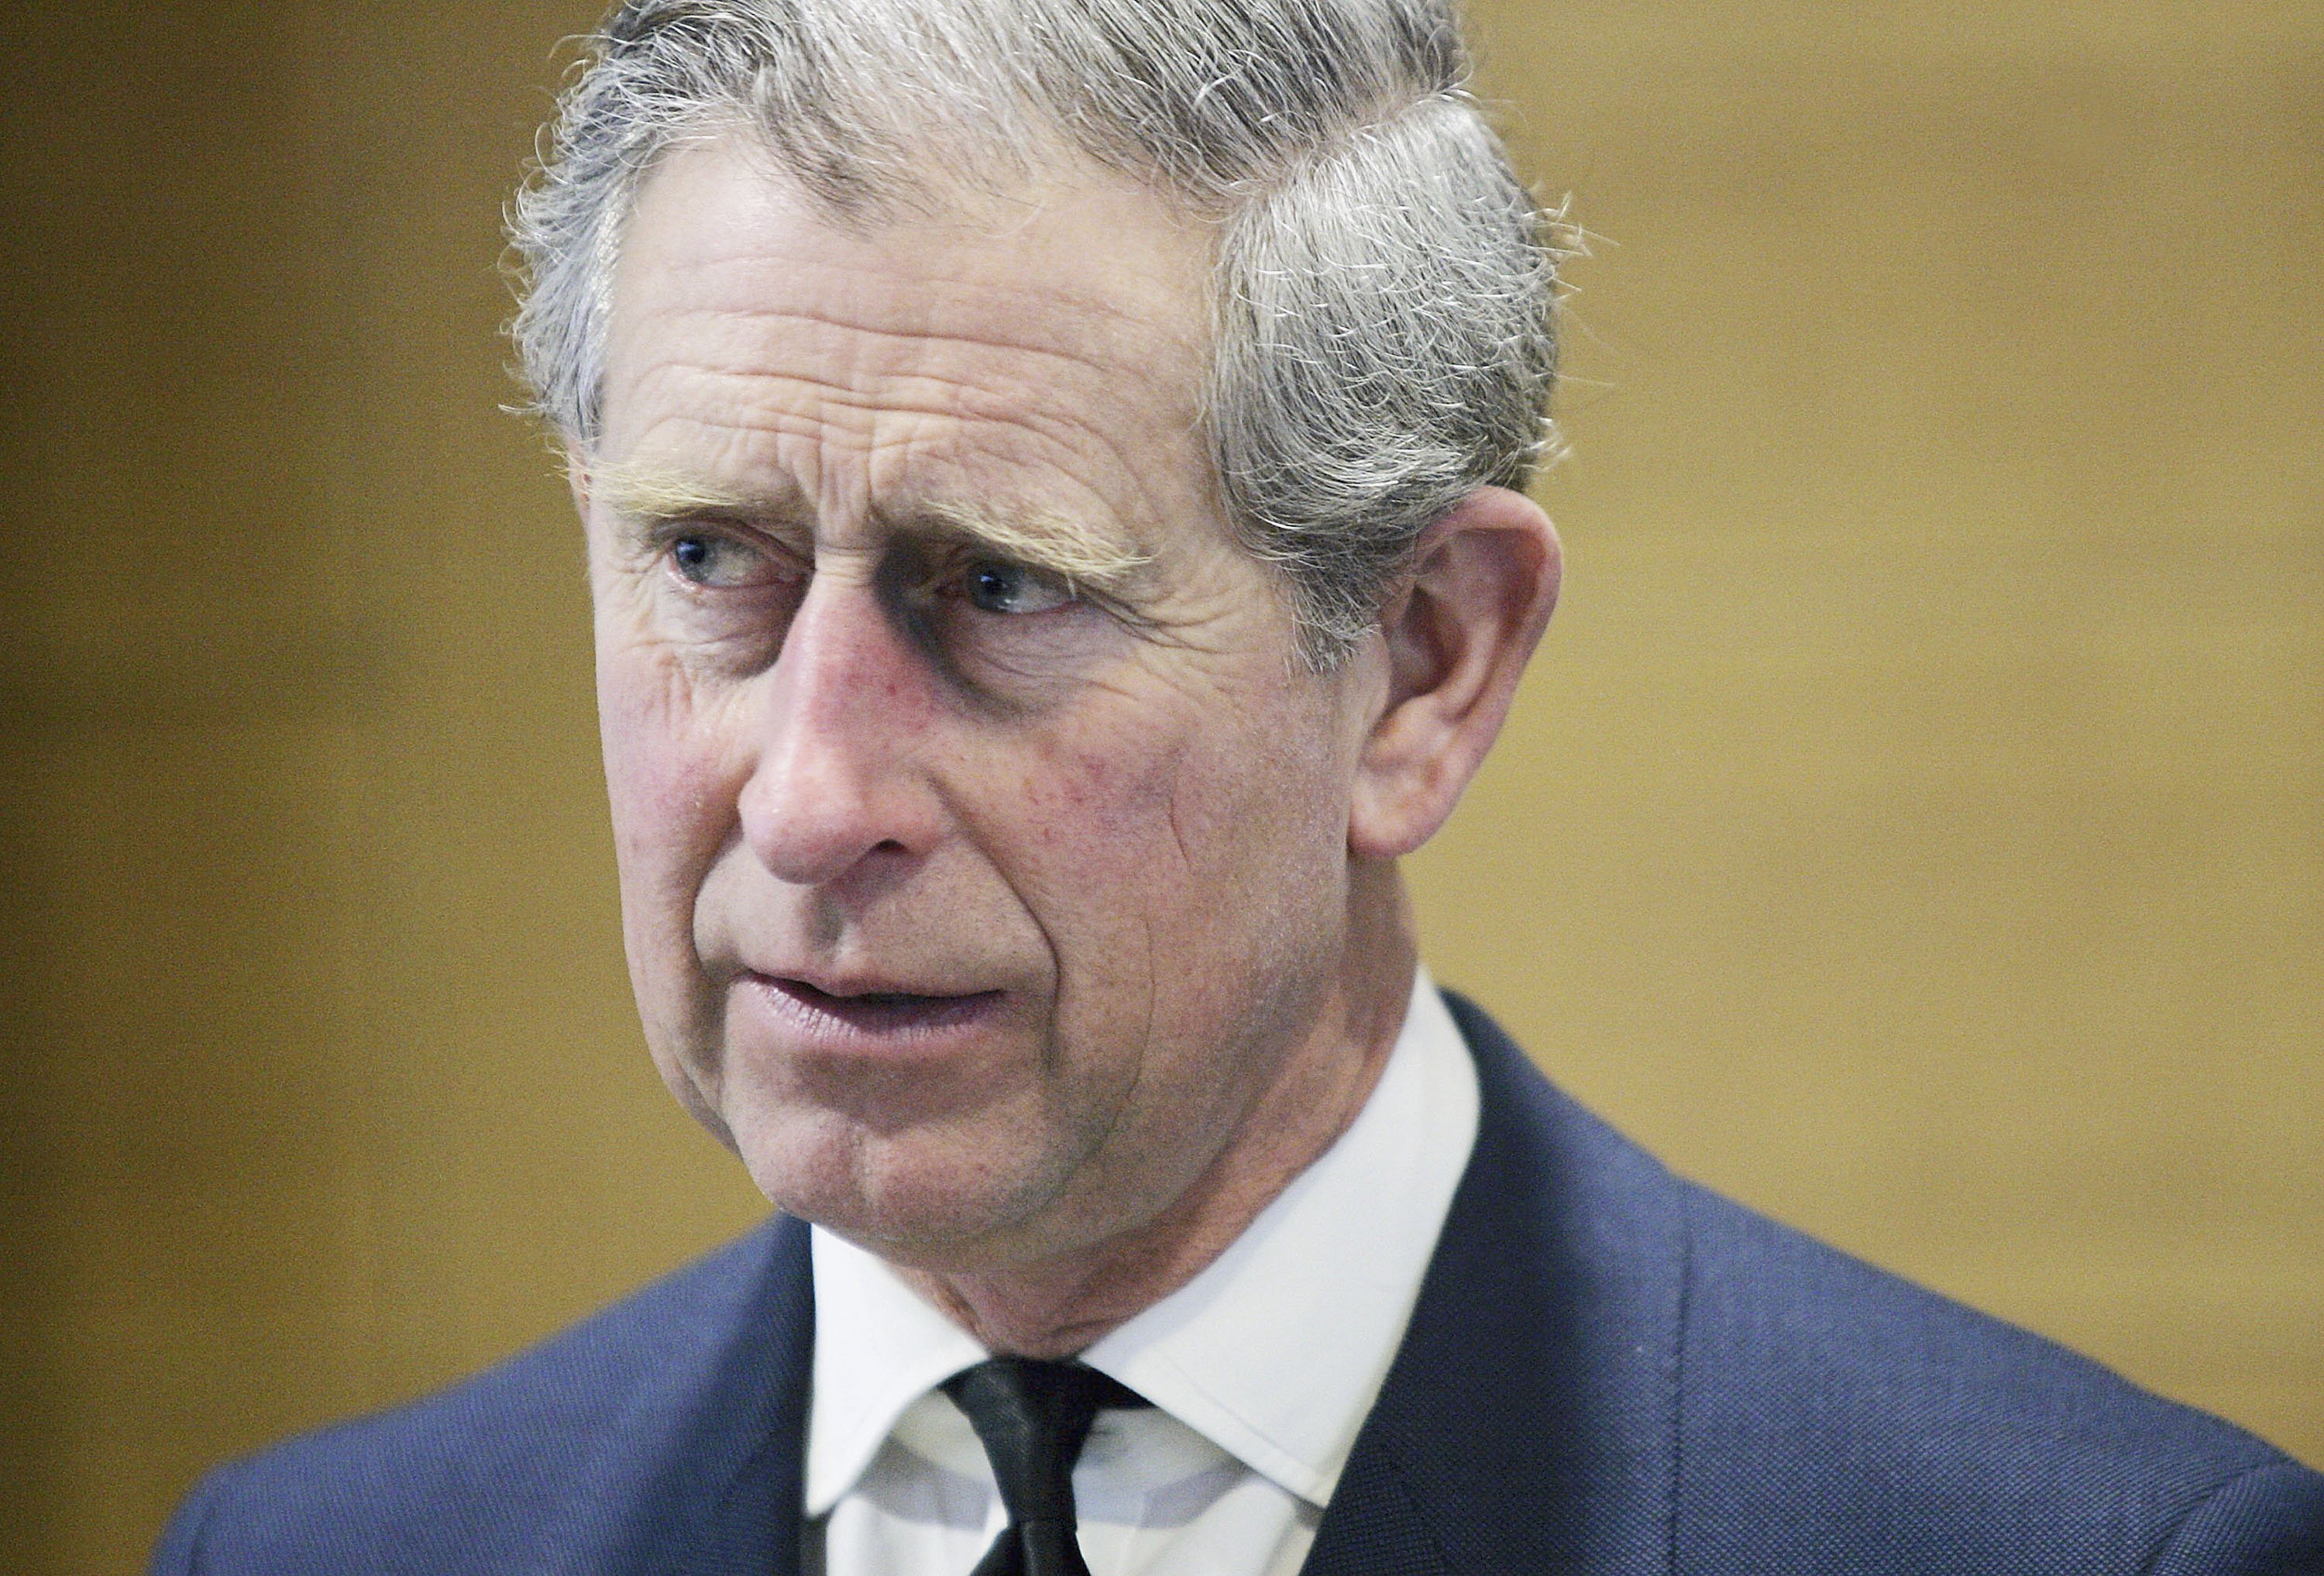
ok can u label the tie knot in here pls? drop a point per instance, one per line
(1033, 1417)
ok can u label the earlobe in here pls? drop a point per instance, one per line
(1458, 634)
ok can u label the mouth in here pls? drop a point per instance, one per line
(871, 1016)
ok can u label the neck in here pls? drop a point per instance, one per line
(1058, 1306)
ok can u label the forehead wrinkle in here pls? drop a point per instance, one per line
(794, 395)
(787, 345)
(744, 395)
(968, 262)
(965, 441)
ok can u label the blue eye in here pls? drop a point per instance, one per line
(721, 562)
(992, 585)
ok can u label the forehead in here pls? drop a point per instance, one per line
(1063, 327)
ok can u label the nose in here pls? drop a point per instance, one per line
(843, 711)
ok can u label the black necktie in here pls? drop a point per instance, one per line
(1033, 1417)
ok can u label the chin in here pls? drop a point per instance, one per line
(928, 1199)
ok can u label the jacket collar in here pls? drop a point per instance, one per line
(1529, 1423)
(735, 1510)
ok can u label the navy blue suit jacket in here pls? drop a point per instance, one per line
(1610, 1372)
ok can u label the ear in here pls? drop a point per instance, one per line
(1458, 634)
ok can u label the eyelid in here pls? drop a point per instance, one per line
(970, 555)
(663, 534)
(955, 561)
(1122, 609)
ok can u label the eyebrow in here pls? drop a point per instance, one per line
(642, 491)
(1085, 556)
(1077, 552)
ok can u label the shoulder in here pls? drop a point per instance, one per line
(1824, 1415)
(552, 1449)
(1832, 1415)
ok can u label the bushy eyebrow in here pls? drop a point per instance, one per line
(1078, 553)
(640, 490)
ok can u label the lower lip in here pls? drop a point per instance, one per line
(872, 1024)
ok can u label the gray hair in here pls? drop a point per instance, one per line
(1383, 290)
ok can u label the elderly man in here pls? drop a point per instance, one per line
(1052, 475)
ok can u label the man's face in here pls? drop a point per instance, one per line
(983, 842)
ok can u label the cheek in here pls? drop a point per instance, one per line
(666, 777)
(1259, 812)
(1094, 813)
(1185, 828)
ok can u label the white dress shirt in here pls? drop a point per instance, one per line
(1262, 1369)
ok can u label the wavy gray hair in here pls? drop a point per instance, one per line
(1383, 290)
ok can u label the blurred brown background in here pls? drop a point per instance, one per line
(1915, 825)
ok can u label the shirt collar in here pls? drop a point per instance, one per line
(878, 1348)
(1275, 1353)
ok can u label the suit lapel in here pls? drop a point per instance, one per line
(731, 1506)
(1529, 1422)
